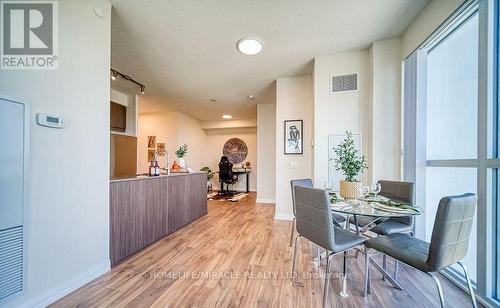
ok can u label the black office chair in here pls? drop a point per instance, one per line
(226, 176)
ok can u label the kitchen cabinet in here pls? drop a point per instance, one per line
(118, 117)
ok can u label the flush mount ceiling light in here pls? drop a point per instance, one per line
(249, 46)
(227, 116)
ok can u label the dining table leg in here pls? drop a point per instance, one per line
(343, 292)
(356, 224)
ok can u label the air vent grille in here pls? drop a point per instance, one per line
(343, 83)
(11, 261)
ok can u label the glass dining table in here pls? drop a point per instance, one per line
(373, 209)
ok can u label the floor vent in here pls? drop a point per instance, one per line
(11, 261)
(344, 83)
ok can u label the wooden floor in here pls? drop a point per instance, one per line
(238, 256)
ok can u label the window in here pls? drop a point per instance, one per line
(451, 123)
(451, 132)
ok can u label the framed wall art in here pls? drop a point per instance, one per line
(294, 137)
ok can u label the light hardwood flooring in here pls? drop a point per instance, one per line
(242, 238)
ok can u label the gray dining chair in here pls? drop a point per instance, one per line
(314, 222)
(307, 183)
(449, 242)
(395, 190)
(402, 191)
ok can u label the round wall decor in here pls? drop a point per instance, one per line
(236, 150)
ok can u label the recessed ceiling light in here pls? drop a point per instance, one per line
(250, 97)
(227, 116)
(249, 46)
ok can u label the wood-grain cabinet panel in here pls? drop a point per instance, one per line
(144, 211)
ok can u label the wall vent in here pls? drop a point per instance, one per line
(11, 261)
(343, 83)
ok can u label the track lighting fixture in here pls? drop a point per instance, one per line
(114, 76)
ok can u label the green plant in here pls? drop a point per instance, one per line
(181, 152)
(348, 159)
(210, 174)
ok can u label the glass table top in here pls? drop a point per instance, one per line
(364, 208)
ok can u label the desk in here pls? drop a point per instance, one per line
(244, 171)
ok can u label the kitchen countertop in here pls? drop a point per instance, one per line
(147, 177)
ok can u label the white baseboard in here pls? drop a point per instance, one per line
(266, 201)
(64, 289)
(283, 216)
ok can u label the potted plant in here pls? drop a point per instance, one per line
(210, 175)
(352, 164)
(180, 153)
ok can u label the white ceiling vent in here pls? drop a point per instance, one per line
(343, 83)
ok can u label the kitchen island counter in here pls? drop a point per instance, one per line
(145, 209)
(147, 177)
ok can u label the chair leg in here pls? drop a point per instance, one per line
(367, 272)
(294, 272)
(396, 269)
(440, 289)
(293, 230)
(327, 279)
(469, 284)
(318, 255)
(384, 264)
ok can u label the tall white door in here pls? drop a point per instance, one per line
(12, 140)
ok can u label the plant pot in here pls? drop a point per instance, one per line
(350, 190)
(181, 162)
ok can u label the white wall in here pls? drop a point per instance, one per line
(434, 13)
(163, 125)
(266, 151)
(334, 114)
(385, 130)
(229, 123)
(294, 101)
(68, 206)
(189, 132)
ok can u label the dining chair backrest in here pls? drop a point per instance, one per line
(397, 190)
(300, 182)
(452, 229)
(314, 217)
(403, 191)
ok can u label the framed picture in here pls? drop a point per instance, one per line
(151, 142)
(294, 137)
(160, 149)
(151, 155)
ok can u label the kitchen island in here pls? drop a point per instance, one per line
(145, 209)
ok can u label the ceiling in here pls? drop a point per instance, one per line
(185, 50)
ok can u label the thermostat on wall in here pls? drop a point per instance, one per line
(49, 120)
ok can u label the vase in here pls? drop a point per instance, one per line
(350, 190)
(181, 162)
